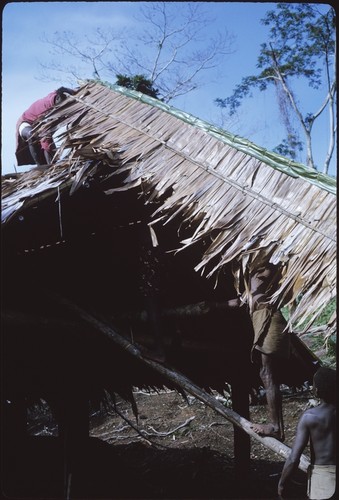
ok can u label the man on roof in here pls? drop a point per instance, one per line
(29, 150)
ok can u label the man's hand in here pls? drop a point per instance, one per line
(234, 303)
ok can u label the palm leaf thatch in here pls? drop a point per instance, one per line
(254, 206)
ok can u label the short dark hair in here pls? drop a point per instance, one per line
(61, 91)
(325, 382)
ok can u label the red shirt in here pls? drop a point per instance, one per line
(38, 108)
(35, 110)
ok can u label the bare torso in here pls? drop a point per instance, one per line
(321, 424)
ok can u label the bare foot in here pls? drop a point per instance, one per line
(268, 430)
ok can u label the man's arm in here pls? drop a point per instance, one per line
(291, 464)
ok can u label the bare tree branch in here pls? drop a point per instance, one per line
(172, 50)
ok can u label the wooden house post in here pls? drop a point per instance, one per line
(242, 441)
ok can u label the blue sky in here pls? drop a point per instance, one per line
(24, 23)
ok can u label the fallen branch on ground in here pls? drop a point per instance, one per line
(168, 433)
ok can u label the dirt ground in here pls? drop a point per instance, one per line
(186, 448)
(178, 449)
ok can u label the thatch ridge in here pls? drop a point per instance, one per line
(275, 160)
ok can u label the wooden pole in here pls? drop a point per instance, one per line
(183, 382)
(242, 441)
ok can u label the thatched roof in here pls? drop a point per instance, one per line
(254, 206)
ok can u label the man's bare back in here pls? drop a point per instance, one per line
(317, 426)
(321, 424)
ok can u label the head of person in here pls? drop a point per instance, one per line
(61, 94)
(324, 384)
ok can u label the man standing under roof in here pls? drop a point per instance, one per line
(272, 341)
(37, 152)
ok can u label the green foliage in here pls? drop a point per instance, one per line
(299, 39)
(332, 349)
(289, 147)
(323, 318)
(327, 348)
(301, 45)
(327, 313)
(137, 82)
(330, 343)
(300, 36)
(318, 342)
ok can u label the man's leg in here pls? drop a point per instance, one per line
(33, 146)
(48, 157)
(275, 427)
(49, 148)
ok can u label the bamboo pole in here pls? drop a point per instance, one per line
(183, 382)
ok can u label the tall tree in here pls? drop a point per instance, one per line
(301, 45)
(171, 51)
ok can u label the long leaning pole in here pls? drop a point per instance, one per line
(182, 381)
